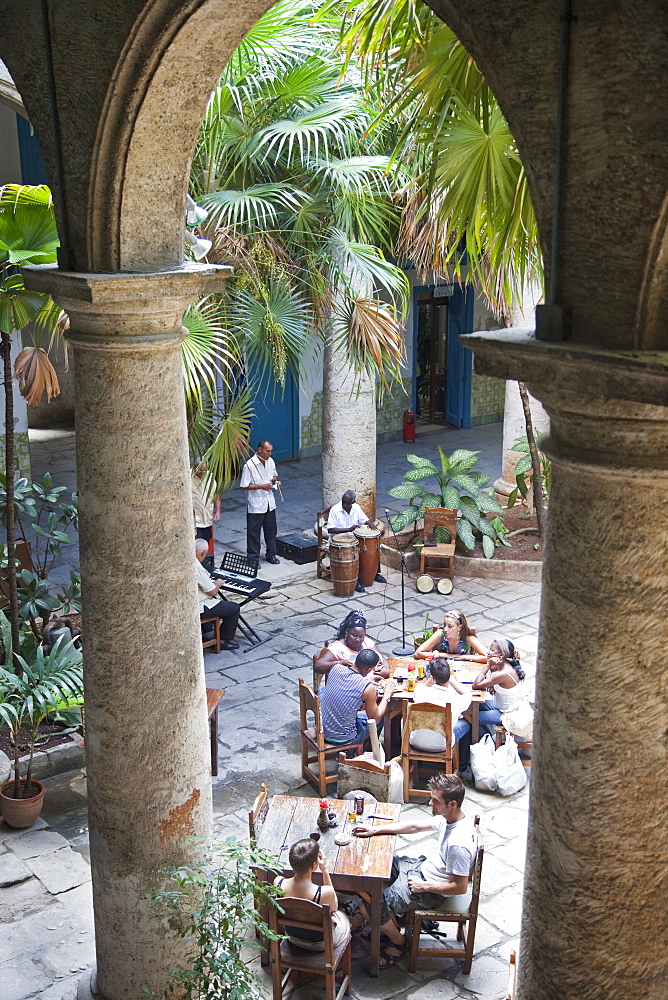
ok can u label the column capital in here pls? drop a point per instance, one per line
(110, 311)
(554, 367)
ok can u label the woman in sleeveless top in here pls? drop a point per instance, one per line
(503, 676)
(305, 858)
(456, 640)
(350, 639)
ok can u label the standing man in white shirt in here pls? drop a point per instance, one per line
(258, 479)
(346, 516)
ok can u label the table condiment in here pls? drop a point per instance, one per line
(410, 686)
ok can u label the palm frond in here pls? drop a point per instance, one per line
(224, 438)
(206, 352)
(372, 337)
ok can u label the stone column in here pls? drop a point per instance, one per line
(598, 836)
(598, 831)
(348, 433)
(147, 748)
(514, 426)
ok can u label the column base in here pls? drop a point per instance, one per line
(87, 988)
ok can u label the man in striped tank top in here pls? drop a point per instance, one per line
(348, 700)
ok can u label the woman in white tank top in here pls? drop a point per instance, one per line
(503, 676)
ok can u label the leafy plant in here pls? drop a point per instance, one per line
(426, 633)
(32, 691)
(524, 473)
(460, 488)
(217, 907)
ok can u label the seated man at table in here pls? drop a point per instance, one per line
(346, 516)
(348, 700)
(210, 604)
(425, 883)
(442, 689)
(305, 858)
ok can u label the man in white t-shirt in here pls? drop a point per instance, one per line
(426, 883)
(345, 517)
(259, 479)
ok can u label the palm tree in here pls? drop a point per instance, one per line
(467, 189)
(301, 201)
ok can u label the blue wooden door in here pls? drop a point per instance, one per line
(460, 360)
(276, 416)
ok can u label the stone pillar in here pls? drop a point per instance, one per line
(598, 831)
(598, 837)
(514, 426)
(147, 748)
(348, 432)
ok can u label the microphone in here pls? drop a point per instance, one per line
(387, 513)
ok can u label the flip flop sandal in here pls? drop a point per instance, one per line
(390, 960)
(365, 934)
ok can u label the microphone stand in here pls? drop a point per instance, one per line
(402, 650)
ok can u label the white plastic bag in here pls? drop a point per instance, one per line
(508, 769)
(519, 720)
(396, 792)
(482, 764)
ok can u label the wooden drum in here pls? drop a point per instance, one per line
(369, 539)
(344, 563)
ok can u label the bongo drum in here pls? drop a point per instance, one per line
(424, 583)
(369, 553)
(344, 563)
(444, 585)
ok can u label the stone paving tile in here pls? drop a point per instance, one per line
(488, 978)
(504, 910)
(37, 842)
(23, 898)
(12, 870)
(60, 871)
(21, 981)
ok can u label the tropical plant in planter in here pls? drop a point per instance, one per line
(29, 693)
(460, 488)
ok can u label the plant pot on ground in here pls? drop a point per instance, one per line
(29, 694)
(21, 812)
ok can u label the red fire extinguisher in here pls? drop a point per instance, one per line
(409, 426)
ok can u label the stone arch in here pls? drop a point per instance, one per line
(157, 96)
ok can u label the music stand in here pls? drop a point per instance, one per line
(402, 650)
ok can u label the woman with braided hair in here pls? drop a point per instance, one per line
(503, 676)
(350, 639)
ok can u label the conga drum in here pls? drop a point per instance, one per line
(344, 563)
(369, 539)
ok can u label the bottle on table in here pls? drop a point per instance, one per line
(411, 678)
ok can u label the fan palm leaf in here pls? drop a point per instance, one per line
(206, 351)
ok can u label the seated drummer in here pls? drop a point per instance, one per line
(350, 639)
(345, 517)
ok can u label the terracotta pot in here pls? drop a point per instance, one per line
(20, 813)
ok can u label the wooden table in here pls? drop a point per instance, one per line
(213, 696)
(400, 696)
(364, 865)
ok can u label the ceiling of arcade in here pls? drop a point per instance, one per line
(132, 80)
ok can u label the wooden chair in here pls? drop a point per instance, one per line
(215, 642)
(318, 679)
(434, 517)
(365, 775)
(258, 814)
(437, 718)
(501, 735)
(287, 958)
(462, 910)
(323, 546)
(213, 696)
(314, 747)
(512, 975)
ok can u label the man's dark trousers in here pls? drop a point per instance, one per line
(255, 523)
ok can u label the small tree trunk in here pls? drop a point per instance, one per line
(9, 486)
(538, 500)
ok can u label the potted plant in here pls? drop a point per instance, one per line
(29, 693)
(460, 488)
(426, 633)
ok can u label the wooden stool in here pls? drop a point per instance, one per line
(213, 696)
(215, 642)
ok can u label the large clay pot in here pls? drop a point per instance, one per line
(20, 813)
(344, 563)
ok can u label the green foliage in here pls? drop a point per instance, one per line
(467, 187)
(53, 682)
(50, 514)
(524, 473)
(214, 906)
(459, 488)
(28, 235)
(426, 633)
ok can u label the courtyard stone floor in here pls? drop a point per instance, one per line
(46, 941)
